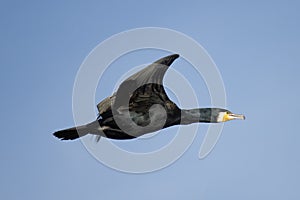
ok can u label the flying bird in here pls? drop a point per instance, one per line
(140, 106)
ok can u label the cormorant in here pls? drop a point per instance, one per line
(140, 106)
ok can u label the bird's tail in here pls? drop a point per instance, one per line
(72, 133)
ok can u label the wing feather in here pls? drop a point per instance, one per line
(141, 90)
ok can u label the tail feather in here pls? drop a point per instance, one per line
(71, 133)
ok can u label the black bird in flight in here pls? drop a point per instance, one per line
(141, 106)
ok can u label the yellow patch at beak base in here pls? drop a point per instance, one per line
(231, 116)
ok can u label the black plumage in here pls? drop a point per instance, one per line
(140, 106)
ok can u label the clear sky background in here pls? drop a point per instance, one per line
(255, 45)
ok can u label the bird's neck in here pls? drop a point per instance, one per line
(196, 115)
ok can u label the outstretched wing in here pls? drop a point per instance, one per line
(141, 90)
(145, 87)
(153, 73)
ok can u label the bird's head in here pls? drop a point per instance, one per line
(223, 115)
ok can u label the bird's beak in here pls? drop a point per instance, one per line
(232, 116)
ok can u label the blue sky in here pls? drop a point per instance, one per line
(255, 46)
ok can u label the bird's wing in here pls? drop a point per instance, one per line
(104, 107)
(153, 73)
(141, 89)
(145, 86)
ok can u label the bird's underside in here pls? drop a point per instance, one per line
(149, 109)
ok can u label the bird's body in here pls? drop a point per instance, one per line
(143, 106)
(140, 106)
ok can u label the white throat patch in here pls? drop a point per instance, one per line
(221, 116)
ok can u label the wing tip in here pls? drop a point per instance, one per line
(168, 60)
